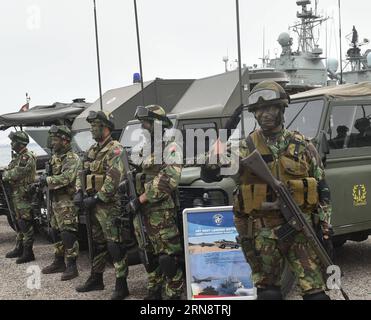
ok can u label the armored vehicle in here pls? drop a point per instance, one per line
(36, 122)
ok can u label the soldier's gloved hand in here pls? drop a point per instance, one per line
(91, 202)
(132, 206)
(327, 233)
(123, 187)
(78, 199)
(42, 180)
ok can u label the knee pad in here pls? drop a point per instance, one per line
(24, 225)
(99, 248)
(152, 264)
(316, 296)
(270, 293)
(68, 238)
(168, 265)
(116, 251)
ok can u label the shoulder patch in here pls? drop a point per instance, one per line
(117, 151)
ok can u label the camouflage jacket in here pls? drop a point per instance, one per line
(21, 172)
(277, 146)
(159, 181)
(106, 163)
(65, 168)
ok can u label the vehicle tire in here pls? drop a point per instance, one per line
(236, 246)
(222, 246)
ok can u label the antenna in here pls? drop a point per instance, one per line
(239, 63)
(98, 61)
(225, 60)
(341, 51)
(264, 47)
(139, 51)
(239, 51)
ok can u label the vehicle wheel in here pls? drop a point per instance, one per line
(236, 246)
(222, 246)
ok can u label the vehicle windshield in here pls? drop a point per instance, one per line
(301, 116)
(82, 141)
(133, 135)
(304, 117)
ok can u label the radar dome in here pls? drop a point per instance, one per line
(333, 64)
(369, 60)
(284, 39)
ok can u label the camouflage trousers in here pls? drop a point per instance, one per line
(64, 218)
(163, 238)
(270, 254)
(23, 212)
(104, 229)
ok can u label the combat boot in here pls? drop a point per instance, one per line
(56, 266)
(121, 289)
(154, 294)
(316, 296)
(27, 255)
(16, 252)
(94, 282)
(71, 271)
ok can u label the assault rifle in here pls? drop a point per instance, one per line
(291, 212)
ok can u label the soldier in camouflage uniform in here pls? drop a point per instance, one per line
(20, 174)
(105, 168)
(65, 165)
(157, 183)
(294, 160)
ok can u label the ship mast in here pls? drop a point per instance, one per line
(309, 20)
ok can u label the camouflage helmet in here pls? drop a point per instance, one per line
(62, 132)
(267, 93)
(153, 112)
(20, 137)
(104, 116)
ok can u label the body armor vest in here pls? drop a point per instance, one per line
(56, 164)
(289, 166)
(97, 165)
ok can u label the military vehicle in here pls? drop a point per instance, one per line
(36, 122)
(122, 103)
(223, 244)
(338, 121)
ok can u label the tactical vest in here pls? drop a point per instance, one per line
(22, 185)
(57, 165)
(149, 171)
(290, 167)
(97, 165)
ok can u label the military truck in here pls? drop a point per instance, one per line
(338, 120)
(36, 122)
(122, 102)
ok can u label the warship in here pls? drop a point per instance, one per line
(358, 65)
(305, 67)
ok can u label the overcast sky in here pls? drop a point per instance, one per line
(48, 46)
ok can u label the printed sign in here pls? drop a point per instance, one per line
(215, 265)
